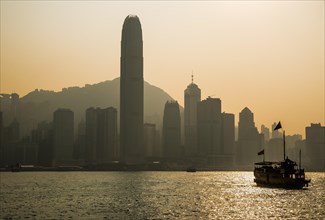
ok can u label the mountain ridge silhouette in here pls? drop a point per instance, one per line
(103, 94)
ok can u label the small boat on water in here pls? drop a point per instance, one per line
(282, 174)
(191, 170)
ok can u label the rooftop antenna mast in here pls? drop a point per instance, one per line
(192, 77)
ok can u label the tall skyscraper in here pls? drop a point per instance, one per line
(249, 140)
(228, 134)
(43, 137)
(315, 146)
(80, 146)
(227, 156)
(63, 137)
(192, 96)
(106, 134)
(209, 126)
(131, 92)
(101, 135)
(172, 132)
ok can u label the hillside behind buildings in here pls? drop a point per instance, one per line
(39, 105)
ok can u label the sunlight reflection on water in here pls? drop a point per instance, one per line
(154, 195)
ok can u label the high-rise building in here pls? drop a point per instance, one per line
(209, 126)
(80, 145)
(101, 135)
(172, 132)
(266, 132)
(192, 96)
(63, 137)
(13, 131)
(106, 134)
(315, 146)
(227, 156)
(291, 150)
(249, 140)
(228, 134)
(43, 137)
(151, 150)
(215, 134)
(91, 136)
(131, 92)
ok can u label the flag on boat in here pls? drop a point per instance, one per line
(261, 152)
(278, 126)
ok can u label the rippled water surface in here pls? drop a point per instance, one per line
(154, 195)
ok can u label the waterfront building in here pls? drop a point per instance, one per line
(209, 127)
(227, 154)
(42, 136)
(63, 137)
(172, 132)
(150, 143)
(131, 92)
(315, 146)
(192, 96)
(249, 139)
(101, 135)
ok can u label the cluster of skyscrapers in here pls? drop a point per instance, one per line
(207, 138)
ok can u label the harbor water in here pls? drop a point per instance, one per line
(154, 195)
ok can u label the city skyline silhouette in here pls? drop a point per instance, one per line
(232, 118)
(238, 54)
(246, 54)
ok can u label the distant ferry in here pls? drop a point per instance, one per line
(191, 170)
(283, 174)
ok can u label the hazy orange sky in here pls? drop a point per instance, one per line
(268, 55)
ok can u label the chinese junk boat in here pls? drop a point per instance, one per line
(282, 174)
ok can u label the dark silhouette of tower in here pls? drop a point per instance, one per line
(249, 140)
(228, 138)
(192, 96)
(315, 143)
(172, 132)
(131, 92)
(63, 137)
(209, 126)
(101, 135)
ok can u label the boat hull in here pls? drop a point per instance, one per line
(278, 180)
(285, 185)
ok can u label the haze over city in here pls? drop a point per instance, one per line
(268, 56)
(230, 94)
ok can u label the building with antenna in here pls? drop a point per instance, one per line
(192, 96)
